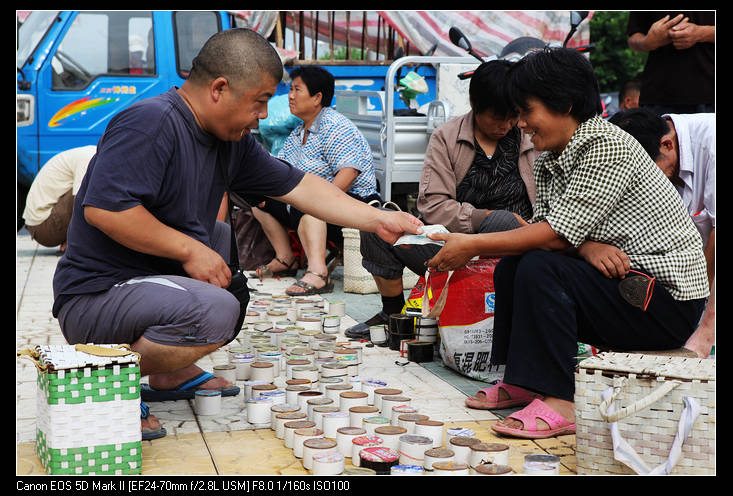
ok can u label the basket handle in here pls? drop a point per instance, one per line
(623, 452)
(640, 404)
(33, 356)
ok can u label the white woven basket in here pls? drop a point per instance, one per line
(356, 278)
(645, 414)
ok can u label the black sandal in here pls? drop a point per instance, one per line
(264, 271)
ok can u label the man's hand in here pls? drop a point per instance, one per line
(392, 225)
(657, 36)
(205, 264)
(457, 251)
(686, 34)
(137, 229)
(609, 260)
(659, 32)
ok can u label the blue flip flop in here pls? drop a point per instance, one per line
(149, 434)
(184, 391)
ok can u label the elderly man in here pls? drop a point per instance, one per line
(683, 146)
(146, 261)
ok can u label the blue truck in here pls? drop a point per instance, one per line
(77, 69)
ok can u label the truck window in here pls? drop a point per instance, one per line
(192, 29)
(123, 45)
(31, 32)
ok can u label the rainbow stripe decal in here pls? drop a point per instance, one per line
(78, 106)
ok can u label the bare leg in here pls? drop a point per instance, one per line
(168, 366)
(312, 233)
(389, 287)
(278, 237)
(703, 339)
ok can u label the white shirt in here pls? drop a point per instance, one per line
(696, 138)
(63, 172)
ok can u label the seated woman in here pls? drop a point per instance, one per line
(477, 177)
(601, 198)
(326, 144)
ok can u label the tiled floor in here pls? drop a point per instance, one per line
(227, 444)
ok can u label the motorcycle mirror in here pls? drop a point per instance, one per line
(577, 16)
(459, 39)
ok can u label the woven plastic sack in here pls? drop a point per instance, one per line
(645, 414)
(463, 303)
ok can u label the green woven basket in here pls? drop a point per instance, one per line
(88, 410)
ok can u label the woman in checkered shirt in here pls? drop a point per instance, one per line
(610, 258)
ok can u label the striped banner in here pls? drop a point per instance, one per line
(489, 31)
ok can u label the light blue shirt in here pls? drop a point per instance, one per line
(332, 143)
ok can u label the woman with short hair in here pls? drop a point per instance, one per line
(610, 258)
(326, 144)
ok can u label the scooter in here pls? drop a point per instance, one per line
(518, 48)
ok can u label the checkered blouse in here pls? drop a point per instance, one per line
(604, 187)
(333, 143)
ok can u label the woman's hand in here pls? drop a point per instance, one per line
(609, 260)
(457, 251)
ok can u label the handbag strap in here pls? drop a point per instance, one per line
(222, 159)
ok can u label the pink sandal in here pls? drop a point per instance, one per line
(517, 397)
(529, 415)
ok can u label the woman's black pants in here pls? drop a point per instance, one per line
(547, 302)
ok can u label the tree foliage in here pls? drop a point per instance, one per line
(613, 61)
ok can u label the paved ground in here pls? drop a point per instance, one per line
(227, 444)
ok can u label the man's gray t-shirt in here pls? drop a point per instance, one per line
(154, 154)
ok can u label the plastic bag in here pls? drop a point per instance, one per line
(278, 125)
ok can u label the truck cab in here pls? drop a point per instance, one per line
(77, 69)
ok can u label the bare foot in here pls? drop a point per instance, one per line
(564, 408)
(171, 380)
(503, 396)
(150, 423)
(310, 278)
(275, 266)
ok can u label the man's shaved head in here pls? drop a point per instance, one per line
(240, 55)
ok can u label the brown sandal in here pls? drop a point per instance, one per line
(309, 289)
